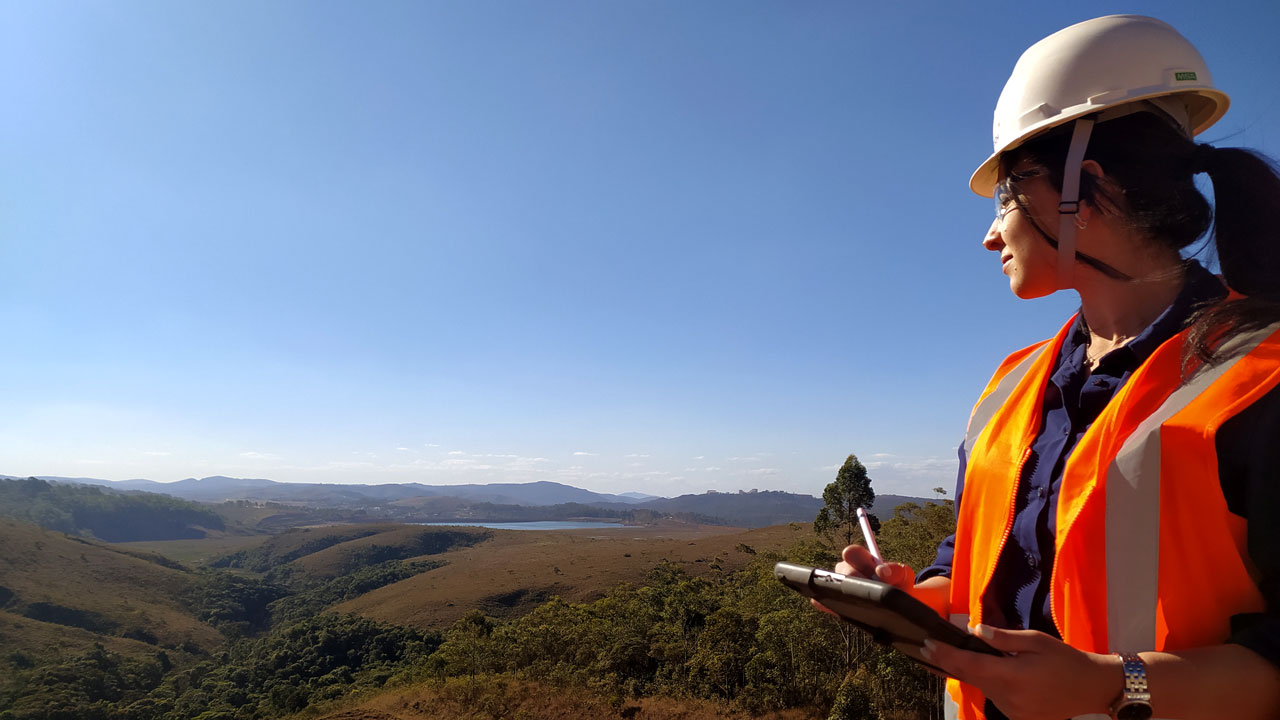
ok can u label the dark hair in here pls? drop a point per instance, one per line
(1148, 166)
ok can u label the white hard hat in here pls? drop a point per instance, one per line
(1096, 66)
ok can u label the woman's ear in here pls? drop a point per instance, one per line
(1100, 199)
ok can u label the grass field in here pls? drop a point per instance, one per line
(406, 541)
(506, 574)
(92, 593)
(61, 595)
(195, 552)
(516, 569)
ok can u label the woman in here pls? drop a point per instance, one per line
(1119, 482)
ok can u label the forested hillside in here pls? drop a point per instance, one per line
(733, 638)
(283, 505)
(106, 515)
(742, 509)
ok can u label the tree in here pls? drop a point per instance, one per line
(914, 532)
(838, 519)
(468, 647)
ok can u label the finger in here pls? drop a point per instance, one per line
(860, 561)
(971, 667)
(935, 671)
(1014, 641)
(942, 656)
(896, 574)
(823, 608)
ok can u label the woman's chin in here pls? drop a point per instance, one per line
(1025, 291)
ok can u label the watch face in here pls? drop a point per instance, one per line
(1134, 711)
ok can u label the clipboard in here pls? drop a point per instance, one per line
(888, 613)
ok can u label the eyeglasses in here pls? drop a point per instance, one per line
(1005, 196)
(1007, 200)
(1004, 200)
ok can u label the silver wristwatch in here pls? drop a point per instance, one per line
(1135, 702)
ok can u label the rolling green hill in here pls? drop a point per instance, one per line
(106, 515)
(328, 552)
(60, 595)
(317, 620)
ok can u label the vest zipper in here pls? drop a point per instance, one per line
(1008, 530)
(1053, 575)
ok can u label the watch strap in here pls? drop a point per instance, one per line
(1134, 702)
(1135, 673)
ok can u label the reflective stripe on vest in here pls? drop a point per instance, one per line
(998, 390)
(1156, 440)
(1133, 511)
(1109, 589)
(950, 708)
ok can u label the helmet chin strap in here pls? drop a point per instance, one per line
(1069, 205)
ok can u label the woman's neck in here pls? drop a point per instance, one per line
(1116, 311)
(1119, 310)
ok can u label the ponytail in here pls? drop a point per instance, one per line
(1246, 235)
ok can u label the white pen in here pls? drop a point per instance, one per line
(865, 523)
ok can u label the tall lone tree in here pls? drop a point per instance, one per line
(838, 519)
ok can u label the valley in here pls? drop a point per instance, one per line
(272, 612)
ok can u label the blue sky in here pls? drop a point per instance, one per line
(630, 246)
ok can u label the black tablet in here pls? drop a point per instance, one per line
(892, 616)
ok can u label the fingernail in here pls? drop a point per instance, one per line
(984, 631)
(927, 649)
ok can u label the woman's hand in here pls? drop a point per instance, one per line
(856, 561)
(1044, 679)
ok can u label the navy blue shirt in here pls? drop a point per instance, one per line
(1018, 595)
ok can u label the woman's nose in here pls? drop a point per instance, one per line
(993, 241)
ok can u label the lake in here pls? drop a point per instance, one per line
(535, 525)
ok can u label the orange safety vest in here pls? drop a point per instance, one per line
(1140, 507)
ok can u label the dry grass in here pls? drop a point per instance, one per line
(128, 592)
(518, 569)
(297, 540)
(195, 552)
(507, 574)
(277, 548)
(244, 517)
(47, 642)
(330, 561)
(503, 698)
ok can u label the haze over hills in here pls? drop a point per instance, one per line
(311, 503)
(220, 488)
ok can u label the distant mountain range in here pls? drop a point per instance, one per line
(219, 489)
(761, 508)
(741, 509)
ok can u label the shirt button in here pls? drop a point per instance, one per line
(1032, 560)
(1041, 492)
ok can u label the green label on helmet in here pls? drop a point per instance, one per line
(1183, 76)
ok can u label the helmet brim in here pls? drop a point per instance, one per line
(1206, 106)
